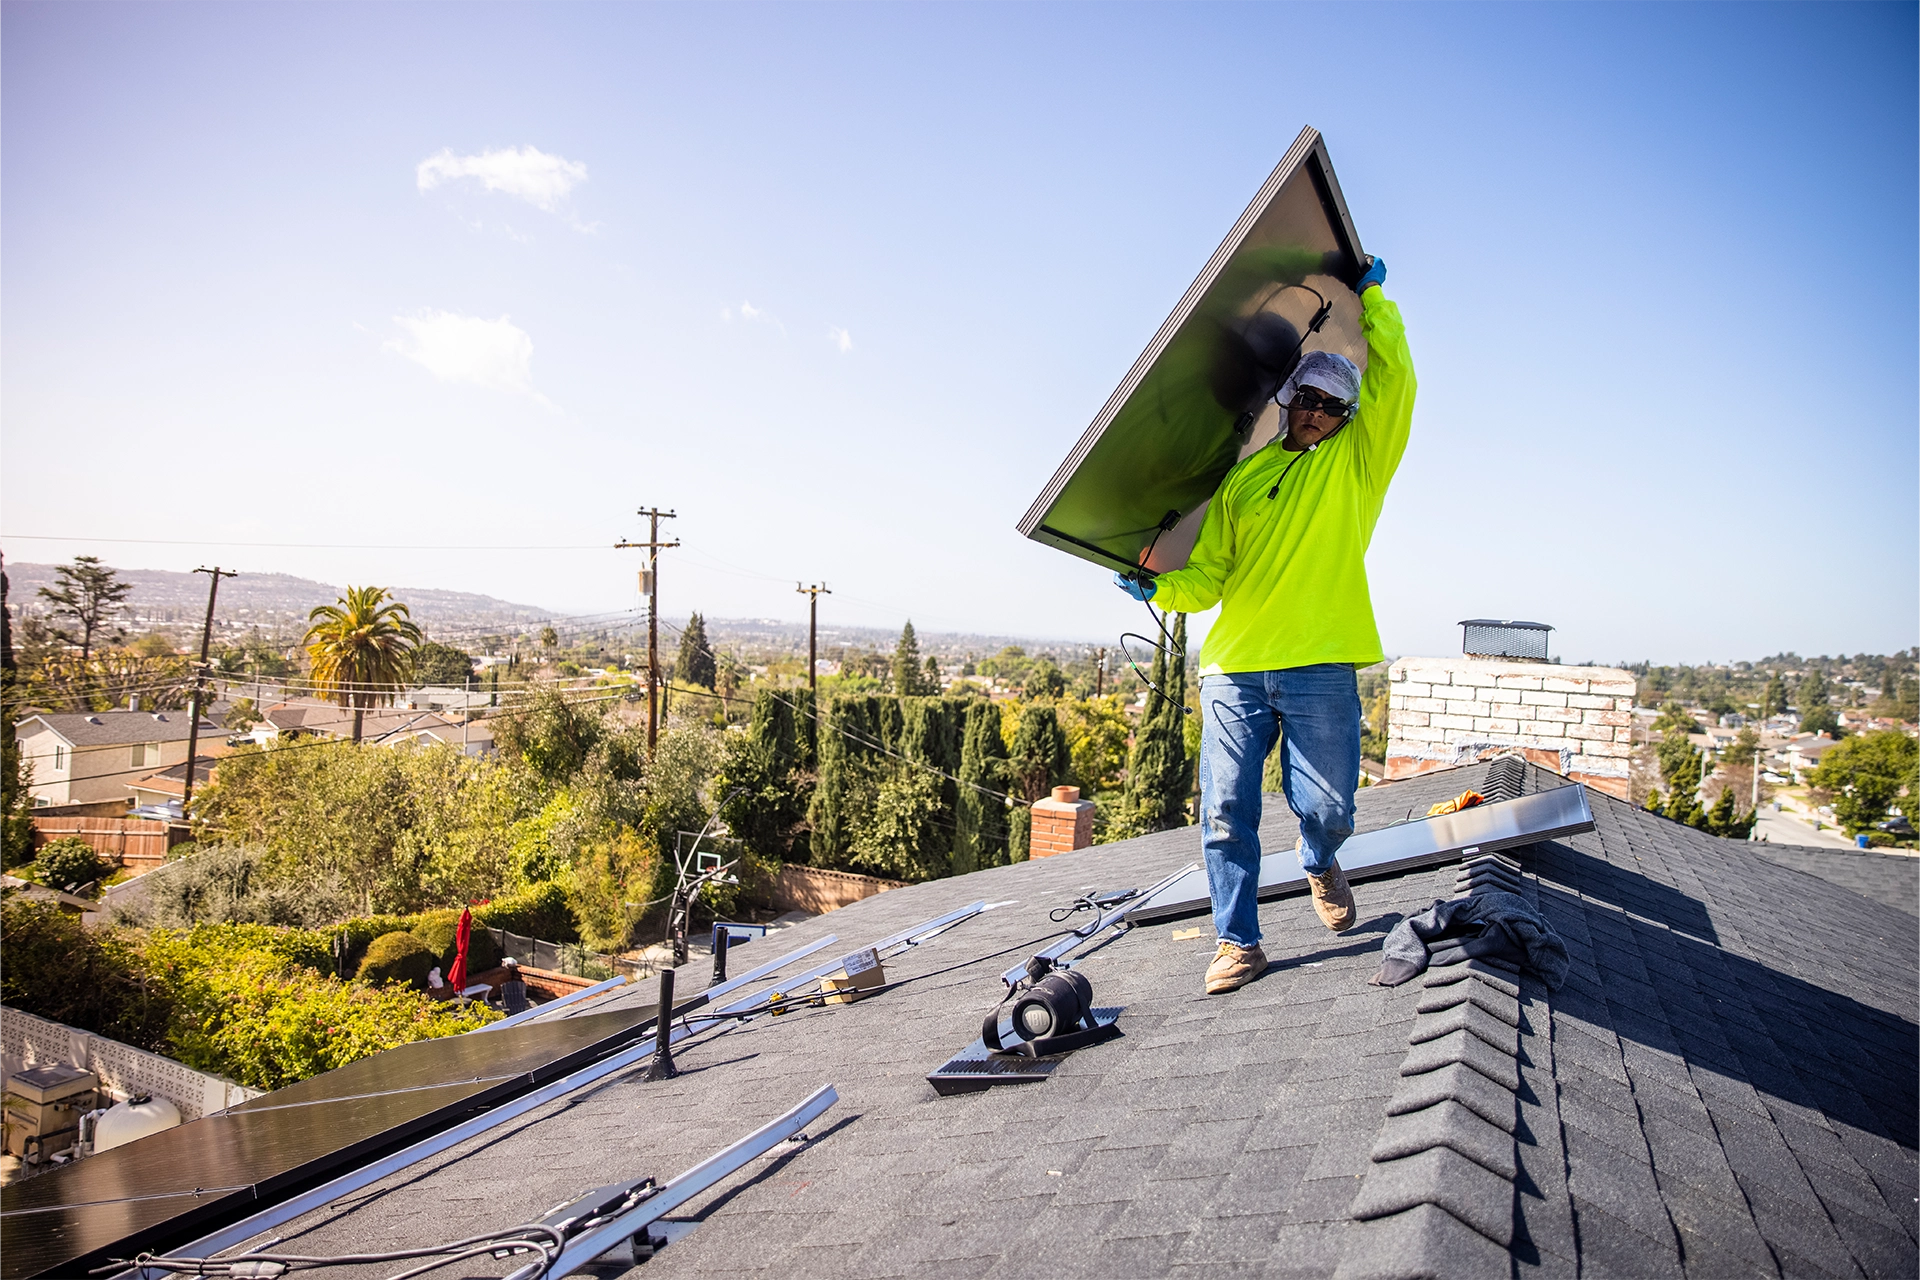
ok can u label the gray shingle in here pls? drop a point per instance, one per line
(1729, 1068)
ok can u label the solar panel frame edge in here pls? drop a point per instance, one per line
(1158, 913)
(190, 1224)
(1309, 143)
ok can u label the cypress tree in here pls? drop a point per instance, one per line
(980, 821)
(696, 665)
(1039, 763)
(16, 775)
(6, 636)
(907, 675)
(1158, 774)
(932, 681)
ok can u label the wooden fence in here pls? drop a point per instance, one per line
(139, 844)
(815, 890)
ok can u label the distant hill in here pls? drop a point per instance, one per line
(161, 597)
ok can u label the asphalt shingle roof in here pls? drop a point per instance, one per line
(119, 728)
(1726, 1085)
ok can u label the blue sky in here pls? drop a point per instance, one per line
(844, 284)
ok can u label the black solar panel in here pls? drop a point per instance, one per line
(165, 1188)
(1198, 397)
(1422, 842)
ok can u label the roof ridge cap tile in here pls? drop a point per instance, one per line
(1448, 1147)
(1474, 1020)
(1498, 1003)
(1500, 979)
(1425, 1242)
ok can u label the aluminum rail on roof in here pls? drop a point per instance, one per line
(552, 1006)
(1058, 951)
(909, 938)
(612, 1234)
(347, 1183)
(1198, 398)
(1504, 824)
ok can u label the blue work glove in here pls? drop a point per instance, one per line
(1137, 589)
(1376, 273)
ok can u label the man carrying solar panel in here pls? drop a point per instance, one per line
(1282, 551)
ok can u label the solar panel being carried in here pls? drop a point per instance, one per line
(1199, 397)
(181, 1181)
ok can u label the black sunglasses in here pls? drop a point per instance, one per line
(1308, 400)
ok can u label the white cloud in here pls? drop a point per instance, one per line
(495, 354)
(753, 315)
(840, 338)
(526, 172)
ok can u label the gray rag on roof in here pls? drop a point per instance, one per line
(1487, 926)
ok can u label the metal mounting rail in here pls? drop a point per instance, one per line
(348, 1183)
(552, 1006)
(891, 945)
(610, 1235)
(1057, 952)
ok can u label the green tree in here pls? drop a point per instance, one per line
(908, 676)
(763, 780)
(1675, 721)
(6, 636)
(695, 664)
(1158, 776)
(242, 715)
(16, 773)
(931, 681)
(436, 663)
(1821, 719)
(1683, 801)
(1813, 697)
(1039, 762)
(1867, 774)
(69, 863)
(1773, 701)
(361, 649)
(981, 819)
(1726, 822)
(89, 593)
(1373, 740)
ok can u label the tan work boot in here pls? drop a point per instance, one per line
(1333, 899)
(1234, 967)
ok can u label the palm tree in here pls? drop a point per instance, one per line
(362, 649)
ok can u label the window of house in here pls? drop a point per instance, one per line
(146, 754)
(59, 756)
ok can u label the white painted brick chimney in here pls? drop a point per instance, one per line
(1577, 721)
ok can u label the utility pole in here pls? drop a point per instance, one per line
(650, 587)
(199, 683)
(813, 594)
(1100, 674)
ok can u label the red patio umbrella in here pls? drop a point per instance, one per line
(462, 936)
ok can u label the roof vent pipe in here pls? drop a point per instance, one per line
(1504, 638)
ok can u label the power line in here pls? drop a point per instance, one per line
(302, 546)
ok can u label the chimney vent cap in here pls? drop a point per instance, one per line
(1504, 638)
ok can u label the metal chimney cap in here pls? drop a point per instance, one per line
(1504, 638)
(1502, 622)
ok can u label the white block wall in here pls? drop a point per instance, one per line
(1446, 711)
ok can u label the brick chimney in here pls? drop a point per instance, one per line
(1062, 823)
(1576, 721)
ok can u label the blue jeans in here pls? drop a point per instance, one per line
(1314, 714)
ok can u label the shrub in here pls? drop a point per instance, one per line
(226, 884)
(440, 930)
(88, 978)
(68, 863)
(538, 910)
(397, 957)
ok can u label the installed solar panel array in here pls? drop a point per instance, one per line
(219, 1167)
(1545, 815)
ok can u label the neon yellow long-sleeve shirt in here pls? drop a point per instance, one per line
(1290, 572)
